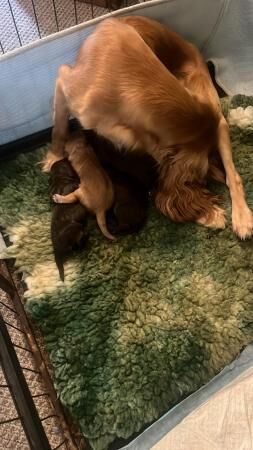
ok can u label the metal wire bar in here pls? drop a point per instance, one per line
(9, 420)
(13, 326)
(2, 49)
(55, 15)
(62, 443)
(75, 8)
(4, 386)
(37, 355)
(5, 285)
(36, 18)
(30, 370)
(40, 395)
(15, 25)
(22, 348)
(48, 417)
(92, 9)
(20, 393)
(8, 307)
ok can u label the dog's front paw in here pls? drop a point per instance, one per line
(242, 222)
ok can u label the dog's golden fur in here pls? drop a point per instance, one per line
(142, 86)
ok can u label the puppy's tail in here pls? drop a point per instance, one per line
(101, 220)
(60, 266)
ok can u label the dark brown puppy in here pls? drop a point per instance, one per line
(133, 176)
(138, 165)
(129, 211)
(68, 222)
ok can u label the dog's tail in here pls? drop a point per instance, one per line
(60, 266)
(101, 220)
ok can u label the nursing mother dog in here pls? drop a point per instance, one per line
(144, 87)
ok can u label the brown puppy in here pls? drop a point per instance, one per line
(137, 166)
(68, 232)
(143, 86)
(129, 211)
(95, 191)
(133, 175)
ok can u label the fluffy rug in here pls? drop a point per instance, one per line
(140, 323)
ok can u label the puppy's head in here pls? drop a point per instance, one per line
(62, 168)
(126, 216)
(63, 179)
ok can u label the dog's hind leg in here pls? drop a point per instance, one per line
(181, 193)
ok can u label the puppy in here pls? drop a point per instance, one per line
(133, 166)
(129, 211)
(95, 191)
(133, 175)
(68, 222)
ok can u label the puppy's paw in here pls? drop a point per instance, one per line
(215, 220)
(242, 222)
(57, 198)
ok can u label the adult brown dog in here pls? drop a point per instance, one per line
(142, 86)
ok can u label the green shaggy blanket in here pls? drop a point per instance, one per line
(142, 322)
